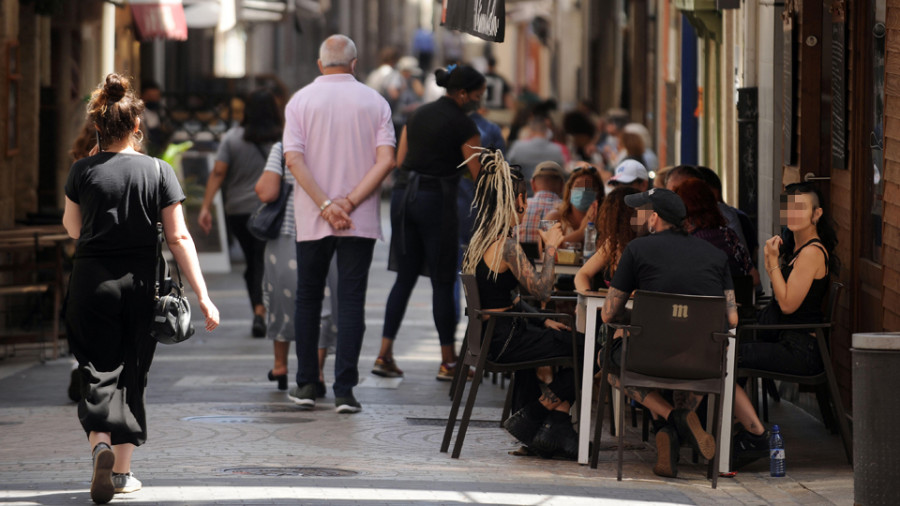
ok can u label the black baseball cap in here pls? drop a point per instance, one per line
(667, 204)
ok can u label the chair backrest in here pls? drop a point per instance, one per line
(473, 305)
(834, 297)
(679, 336)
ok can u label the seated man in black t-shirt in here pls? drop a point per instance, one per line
(668, 260)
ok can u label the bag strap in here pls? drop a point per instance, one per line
(160, 237)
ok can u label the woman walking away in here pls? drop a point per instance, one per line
(113, 201)
(239, 164)
(437, 140)
(543, 398)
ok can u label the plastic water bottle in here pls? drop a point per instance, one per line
(590, 240)
(776, 453)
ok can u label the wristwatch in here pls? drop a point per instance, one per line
(325, 204)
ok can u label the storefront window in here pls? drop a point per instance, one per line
(875, 193)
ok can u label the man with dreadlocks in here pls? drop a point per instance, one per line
(499, 264)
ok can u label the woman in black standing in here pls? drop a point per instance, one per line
(113, 201)
(436, 146)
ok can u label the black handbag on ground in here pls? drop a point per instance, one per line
(171, 310)
(265, 222)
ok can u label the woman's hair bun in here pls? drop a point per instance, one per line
(115, 87)
(441, 77)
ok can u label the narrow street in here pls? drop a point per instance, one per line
(220, 433)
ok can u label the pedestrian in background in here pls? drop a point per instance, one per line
(339, 145)
(114, 199)
(239, 163)
(438, 139)
(280, 278)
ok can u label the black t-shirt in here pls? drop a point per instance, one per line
(435, 134)
(670, 262)
(117, 194)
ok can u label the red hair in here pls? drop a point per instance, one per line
(701, 205)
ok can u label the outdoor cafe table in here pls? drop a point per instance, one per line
(591, 302)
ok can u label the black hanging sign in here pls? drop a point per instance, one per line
(485, 19)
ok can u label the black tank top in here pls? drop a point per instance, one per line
(494, 293)
(810, 310)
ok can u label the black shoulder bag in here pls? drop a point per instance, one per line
(171, 311)
(265, 222)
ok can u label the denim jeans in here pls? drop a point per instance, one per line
(354, 257)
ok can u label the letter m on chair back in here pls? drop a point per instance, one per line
(670, 342)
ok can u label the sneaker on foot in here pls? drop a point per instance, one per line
(667, 446)
(126, 483)
(749, 447)
(347, 404)
(446, 372)
(102, 489)
(690, 430)
(259, 326)
(386, 368)
(304, 395)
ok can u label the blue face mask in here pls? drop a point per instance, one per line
(582, 198)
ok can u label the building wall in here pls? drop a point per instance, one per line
(891, 229)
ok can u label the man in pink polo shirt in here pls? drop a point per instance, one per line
(339, 145)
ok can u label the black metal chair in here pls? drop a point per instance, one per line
(674, 342)
(474, 354)
(824, 383)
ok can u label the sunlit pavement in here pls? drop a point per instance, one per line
(220, 433)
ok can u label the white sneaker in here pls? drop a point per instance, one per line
(126, 483)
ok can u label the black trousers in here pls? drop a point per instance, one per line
(108, 310)
(521, 340)
(254, 253)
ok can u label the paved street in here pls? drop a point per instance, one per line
(220, 433)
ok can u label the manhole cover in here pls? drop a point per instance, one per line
(246, 419)
(317, 472)
(442, 422)
(260, 408)
(9, 423)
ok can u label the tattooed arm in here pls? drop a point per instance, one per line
(614, 305)
(731, 308)
(539, 285)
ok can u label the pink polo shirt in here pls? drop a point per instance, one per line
(337, 122)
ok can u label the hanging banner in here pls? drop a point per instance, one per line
(485, 19)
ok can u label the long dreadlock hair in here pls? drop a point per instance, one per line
(495, 200)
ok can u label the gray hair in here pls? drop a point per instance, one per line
(337, 51)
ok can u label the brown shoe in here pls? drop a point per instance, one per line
(667, 452)
(690, 430)
(386, 368)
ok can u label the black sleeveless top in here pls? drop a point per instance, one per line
(494, 293)
(810, 310)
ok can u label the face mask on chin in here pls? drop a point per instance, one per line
(582, 198)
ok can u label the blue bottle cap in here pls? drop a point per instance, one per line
(776, 428)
